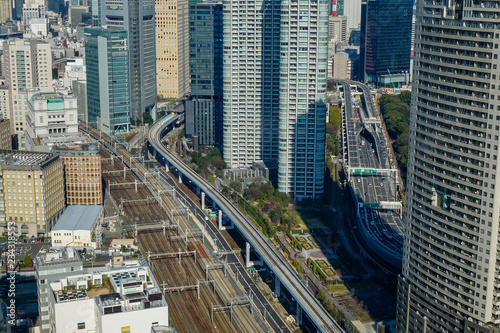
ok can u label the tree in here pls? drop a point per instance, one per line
(27, 261)
(235, 186)
(146, 116)
(252, 193)
(290, 219)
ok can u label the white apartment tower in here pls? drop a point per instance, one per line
(28, 64)
(302, 108)
(451, 266)
(250, 81)
(274, 90)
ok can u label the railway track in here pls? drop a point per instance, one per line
(187, 312)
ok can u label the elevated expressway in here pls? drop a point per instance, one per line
(286, 276)
(372, 179)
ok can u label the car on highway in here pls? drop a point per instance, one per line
(366, 193)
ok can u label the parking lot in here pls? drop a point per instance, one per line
(22, 250)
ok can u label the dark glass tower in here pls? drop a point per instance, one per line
(385, 41)
(204, 109)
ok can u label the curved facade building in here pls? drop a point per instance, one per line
(451, 270)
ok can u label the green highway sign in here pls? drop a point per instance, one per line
(364, 171)
(371, 205)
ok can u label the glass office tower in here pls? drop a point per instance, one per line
(108, 88)
(385, 47)
(137, 18)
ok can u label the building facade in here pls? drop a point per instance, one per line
(33, 9)
(32, 193)
(108, 88)
(337, 28)
(302, 108)
(137, 18)
(137, 305)
(385, 45)
(50, 114)
(172, 48)
(56, 263)
(204, 108)
(274, 89)
(79, 226)
(28, 64)
(450, 272)
(82, 174)
(5, 10)
(4, 101)
(5, 137)
(251, 74)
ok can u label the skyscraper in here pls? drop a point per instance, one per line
(28, 64)
(137, 18)
(108, 89)
(274, 86)
(204, 108)
(302, 109)
(450, 279)
(385, 47)
(172, 48)
(251, 82)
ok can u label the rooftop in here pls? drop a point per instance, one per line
(69, 296)
(79, 147)
(26, 158)
(78, 217)
(58, 256)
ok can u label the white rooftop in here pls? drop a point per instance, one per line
(78, 217)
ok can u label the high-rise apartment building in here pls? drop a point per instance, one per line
(451, 274)
(82, 174)
(385, 46)
(108, 88)
(32, 193)
(204, 108)
(28, 64)
(302, 108)
(172, 48)
(251, 73)
(137, 18)
(274, 89)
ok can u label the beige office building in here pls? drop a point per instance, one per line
(172, 48)
(5, 10)
(28, 64)
(32, 193)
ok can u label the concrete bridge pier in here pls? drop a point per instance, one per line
(299, 314)
(247, 255)
(202, 200)
(277, 286)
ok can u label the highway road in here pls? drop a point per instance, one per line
(308, 302)
(366, 148)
